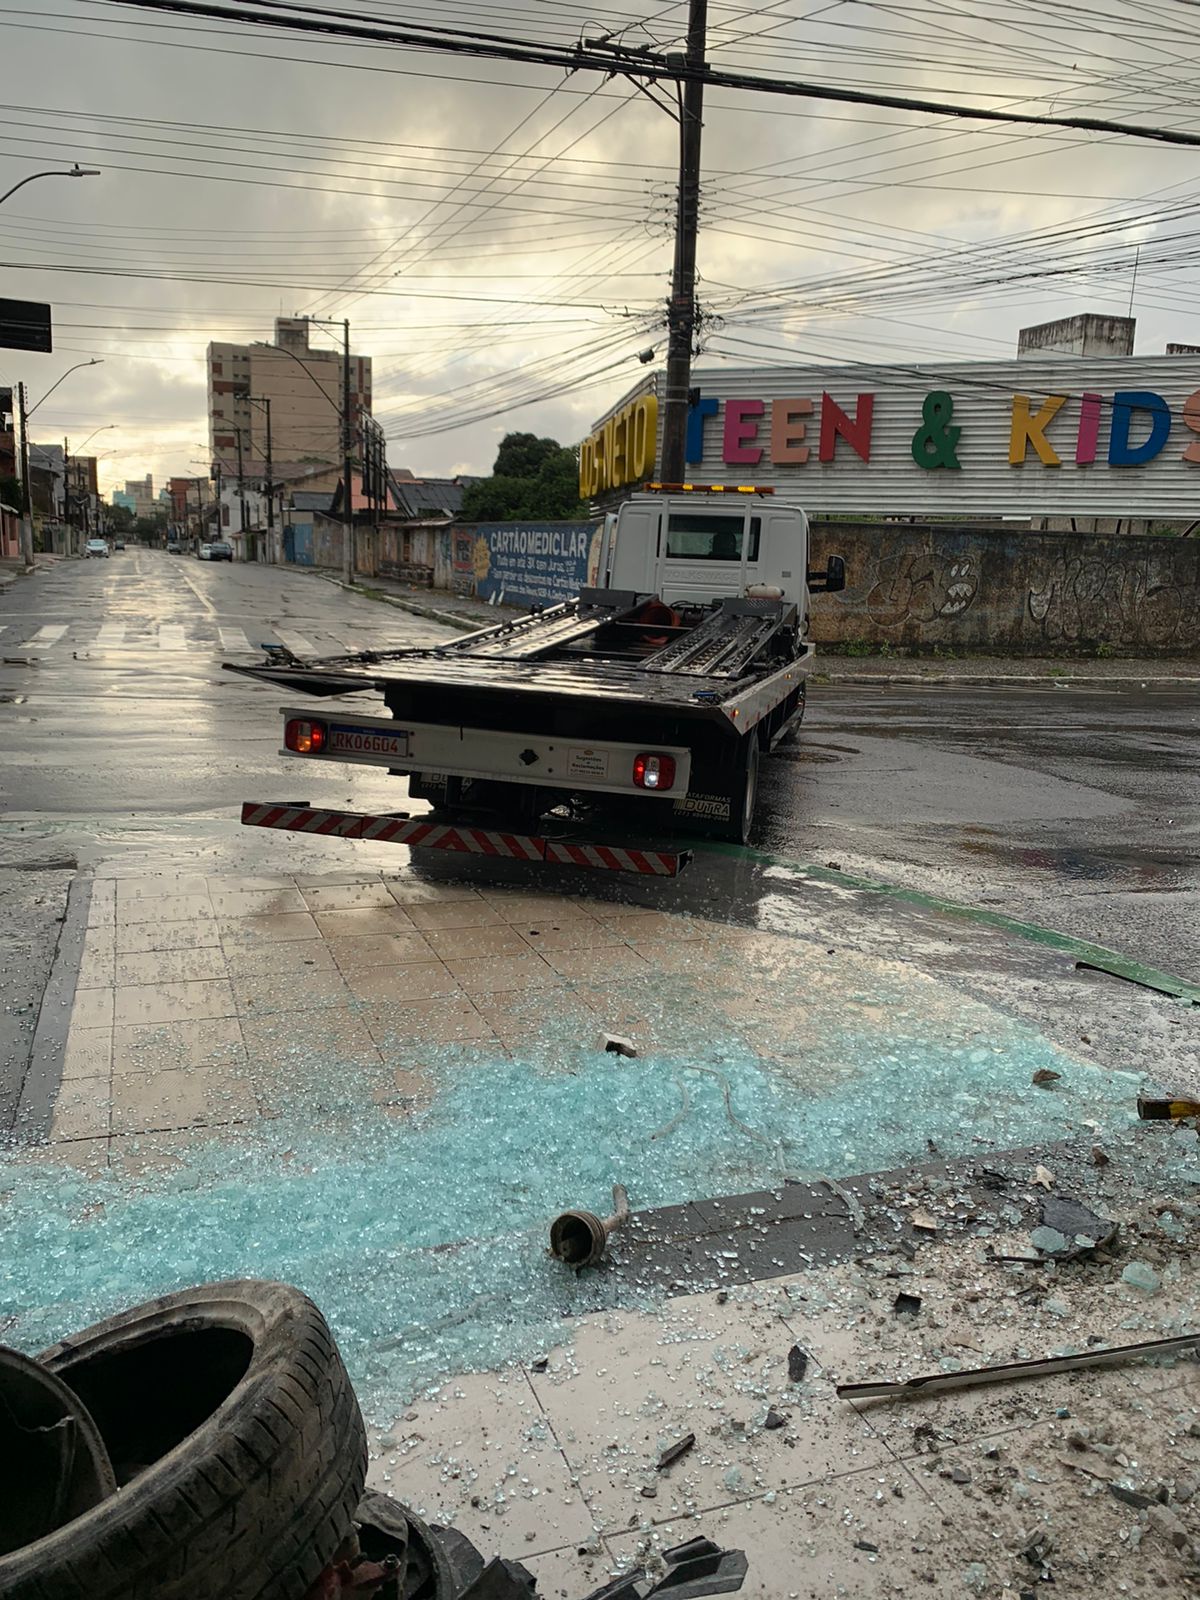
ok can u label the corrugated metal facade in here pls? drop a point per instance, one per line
(981, 394)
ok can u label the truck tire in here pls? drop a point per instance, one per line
(744, 796)
(237, 1443)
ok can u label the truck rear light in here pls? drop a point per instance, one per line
(305, 738)
(654, 772)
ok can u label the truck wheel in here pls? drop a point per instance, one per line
(744, 797)
(237, 1443)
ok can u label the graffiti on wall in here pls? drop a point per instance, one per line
(904, 586)
(1132, 600)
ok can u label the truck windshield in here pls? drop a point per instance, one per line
(703, 536)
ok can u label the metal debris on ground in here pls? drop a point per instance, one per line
(1006, 1372)
(797, 1364)
(675, 1452)
(580, 1238)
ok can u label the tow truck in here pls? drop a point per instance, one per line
(647, 699)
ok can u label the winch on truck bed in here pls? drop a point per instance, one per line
(658, 688)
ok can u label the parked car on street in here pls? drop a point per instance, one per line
(204, 551)
(220, 550)
(118, 544)
(174, 548)
(95, 547)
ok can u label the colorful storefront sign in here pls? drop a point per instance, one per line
(1119, 436)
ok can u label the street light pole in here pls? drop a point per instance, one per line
(70, 172)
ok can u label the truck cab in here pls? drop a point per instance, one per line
(697, 548)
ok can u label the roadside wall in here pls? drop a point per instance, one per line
(1008, 592)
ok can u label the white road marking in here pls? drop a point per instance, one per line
(48, 635)
(111, 633)
(234, 639)
(296, 643)
(170, 636)
(200, 594)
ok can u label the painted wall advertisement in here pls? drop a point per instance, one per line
(1034, 436)
(531, 562)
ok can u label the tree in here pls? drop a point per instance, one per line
(533, 480)
(119, 519)
(12, 494)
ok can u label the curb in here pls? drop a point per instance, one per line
(449, 619)
(43, 1079)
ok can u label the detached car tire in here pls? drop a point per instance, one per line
(237, 1444)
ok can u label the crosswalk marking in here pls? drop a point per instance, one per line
(234, 639)
(295, 642)
(47, 635)
(111, 633)
(170, 636)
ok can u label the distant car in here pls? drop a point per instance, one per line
(118, 544)
(174, 547)
(203, 553)
(220, 550)
(95, 547)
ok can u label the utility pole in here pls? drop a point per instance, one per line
(237, 433)
(67, 498)
(270, 486)
(26, 486)
(348, 562)
(681, 310)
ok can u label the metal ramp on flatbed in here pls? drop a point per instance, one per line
(525, 638)
(724, 644)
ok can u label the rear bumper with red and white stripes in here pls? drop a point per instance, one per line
(464, 840)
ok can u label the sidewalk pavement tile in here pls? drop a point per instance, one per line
(170, 1046)
(283, 959)
(329, 1038)
(604, 909)
(491, 974)
(93, 1008)
(364, 920)
(140, 937)
(636, 1383)
(458, 944)
(402, 985)
(173, 1002)
(258, 993)
(98, 968)
(475, 913)
(519, 906)
(565, 1574)
(519, 1019)
(347, 896)
(256, 930)
(257, 902)
(407, 891)
(88, 1054)
(88, 1155)
(237, 880)
(599, 965)
(358, 953)
(483, 1437)
(568, 933)
(679, 955)
(653, 925)
(167, 908)
(408, 1030)
(160, 886)
(83, 1110)
(176, 1098)
(170, 966)
(806, 1542)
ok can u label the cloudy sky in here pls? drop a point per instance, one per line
(499, 234)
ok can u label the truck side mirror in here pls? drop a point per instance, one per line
(831, 580)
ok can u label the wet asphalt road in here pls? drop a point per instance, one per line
(126, 745)
(1072, 806)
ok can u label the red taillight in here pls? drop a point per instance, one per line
(305, 738)
(654, 772)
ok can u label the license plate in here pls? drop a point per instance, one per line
(367, 742)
